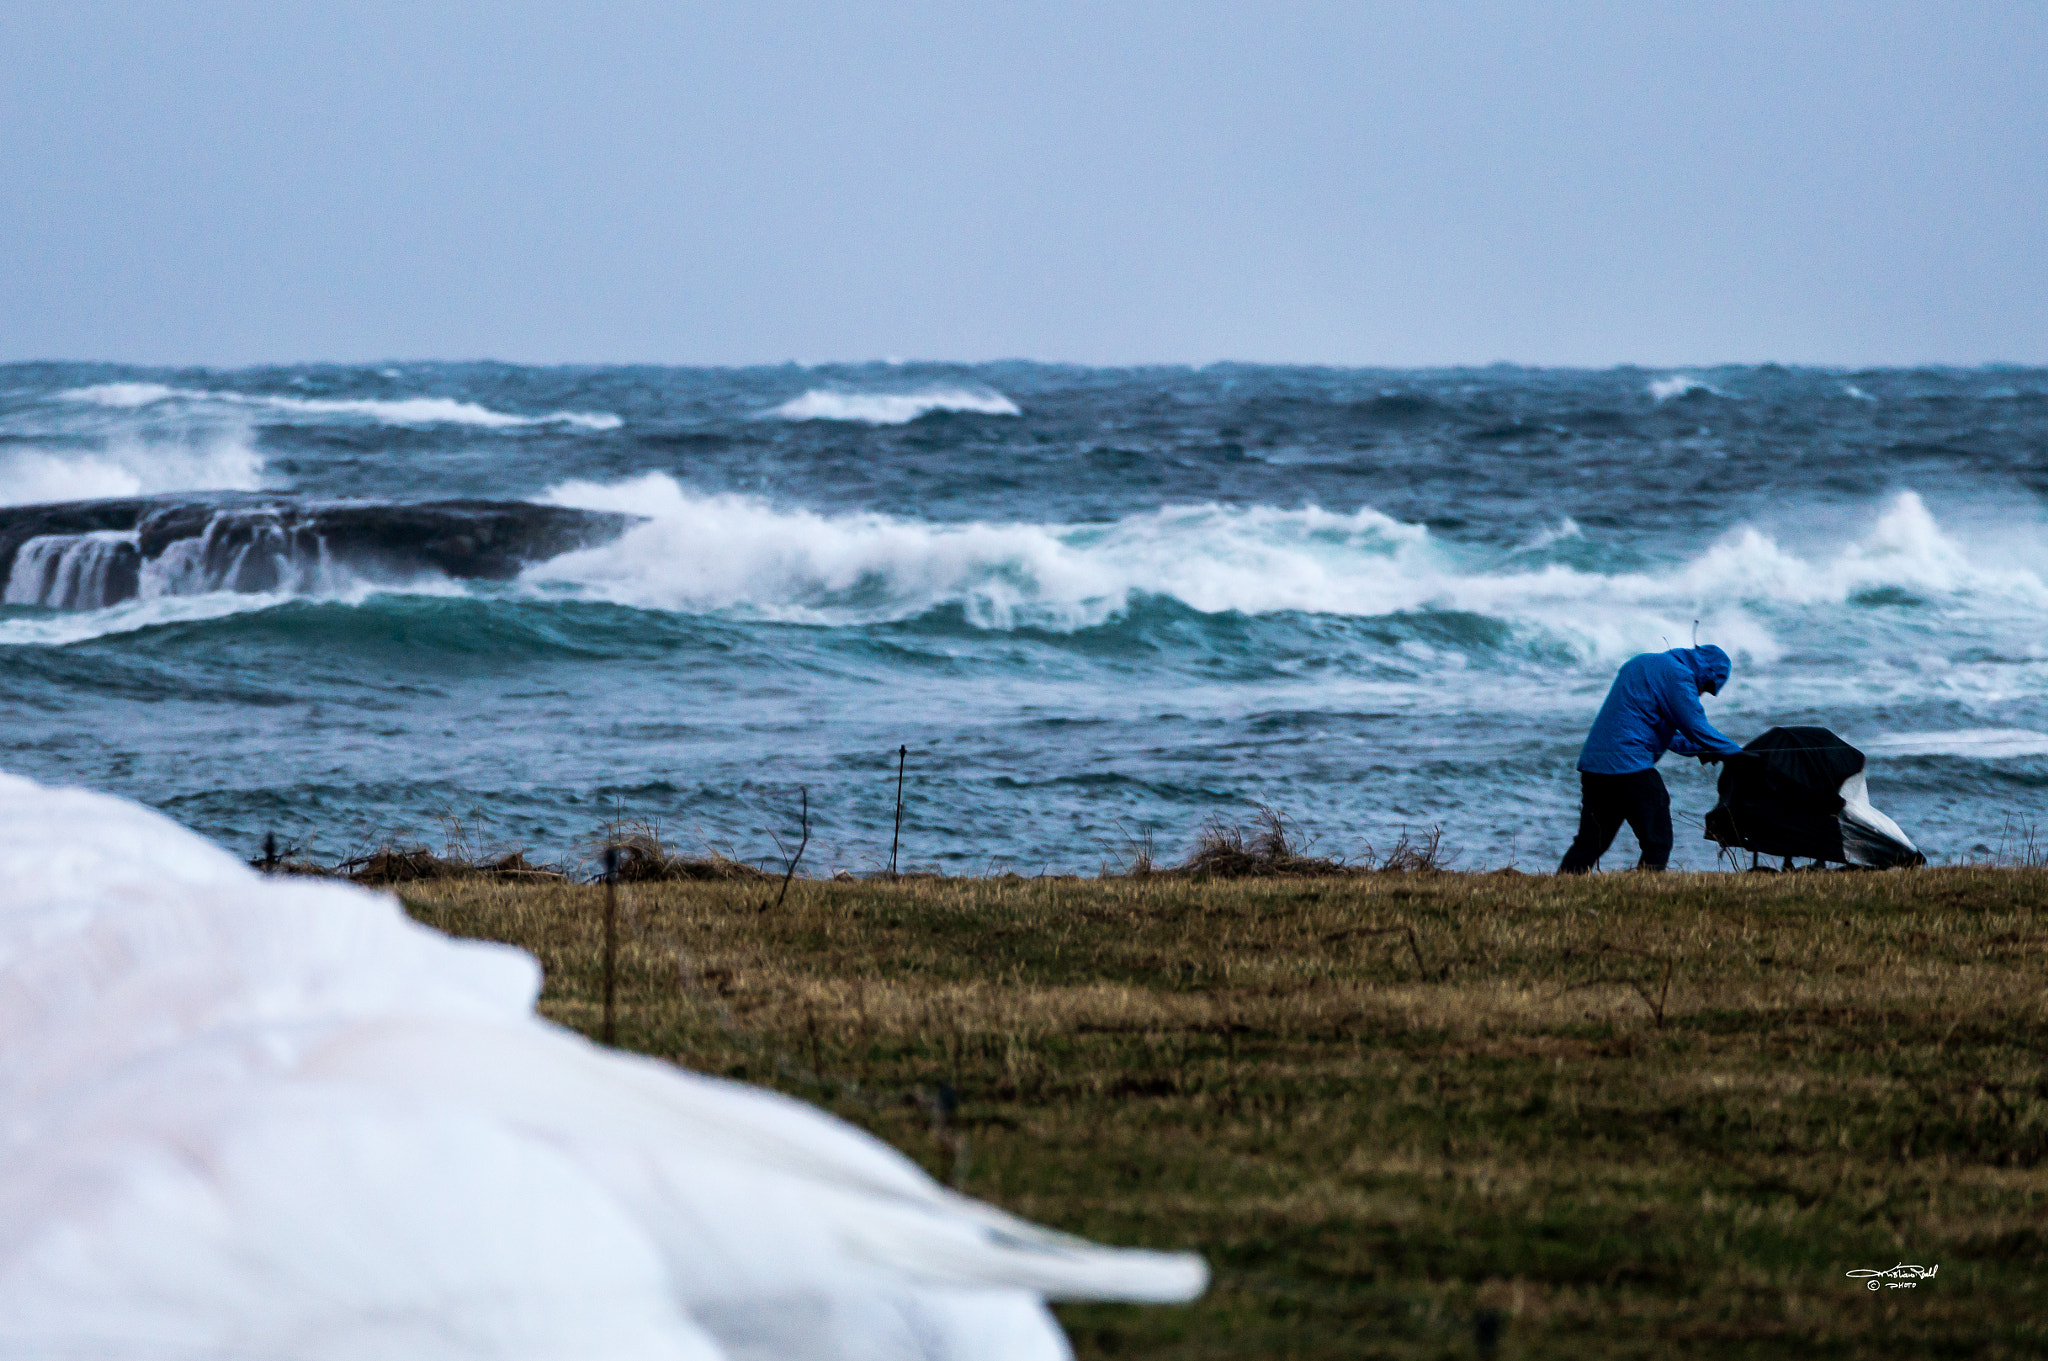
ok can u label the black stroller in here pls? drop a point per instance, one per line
(1799, 792)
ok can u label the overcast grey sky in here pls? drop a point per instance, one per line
(1102, 182)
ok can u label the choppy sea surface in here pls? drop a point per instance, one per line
(1095, 605)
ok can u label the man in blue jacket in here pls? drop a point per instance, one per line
(1653, 707)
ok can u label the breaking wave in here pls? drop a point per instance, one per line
(1678, 385)
(696, 553)
(892, 408)
(411, 411)
(702, 553)
(226, 462)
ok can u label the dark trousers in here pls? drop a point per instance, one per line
(1638, 798)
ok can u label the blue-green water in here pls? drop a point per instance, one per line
(1094, 604)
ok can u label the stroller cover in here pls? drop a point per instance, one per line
(1801, 792)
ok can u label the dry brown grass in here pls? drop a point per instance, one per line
(643, 858)
(1273, 846)
(399, 864)
(1627, 1115)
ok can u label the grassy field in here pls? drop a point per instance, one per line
(1410, 1115)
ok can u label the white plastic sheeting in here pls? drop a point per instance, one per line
(1860, 821)
(262, 1118)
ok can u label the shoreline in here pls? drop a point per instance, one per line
(1270, 845)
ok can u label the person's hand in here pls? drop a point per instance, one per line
(1708, 758)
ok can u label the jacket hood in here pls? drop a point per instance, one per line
(1710, 665)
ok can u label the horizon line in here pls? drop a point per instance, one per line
(1018, 360)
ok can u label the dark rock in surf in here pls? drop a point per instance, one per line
(90, 554)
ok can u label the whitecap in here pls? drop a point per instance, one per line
(1678, 385)
(892, 408)
(387, 411)
(1979, 744)
(434, 411)
(124, 396)
(1565, 528)
(437, 412)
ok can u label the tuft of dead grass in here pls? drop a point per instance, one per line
(466, 854)
(393, 864)
(644, 859)
(1272, 846)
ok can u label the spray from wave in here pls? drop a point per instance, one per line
(892, 408)
(408, 411)
(702, 553)
(218, 461)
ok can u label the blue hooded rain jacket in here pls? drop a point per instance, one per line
(1654, 707)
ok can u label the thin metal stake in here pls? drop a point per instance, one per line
(902, 754)
(611, 941)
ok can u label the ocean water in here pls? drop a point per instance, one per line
(1096, 606)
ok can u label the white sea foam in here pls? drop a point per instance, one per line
(225, 461)
(130, 616)
(399, 411)
(128, 396)
(122, 395)
(1981, 744)
(1851, 390)
(1677, 385)
(700, 552)
(434, 411)
(167, 599)
(892, 408)
(1565, 528)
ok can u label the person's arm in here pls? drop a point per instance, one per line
(1707, 755)
(1693, 735)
